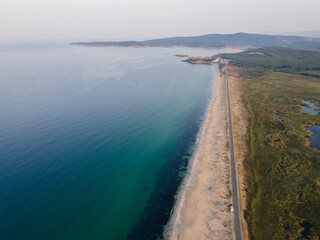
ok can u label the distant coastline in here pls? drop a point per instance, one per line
(237, 40)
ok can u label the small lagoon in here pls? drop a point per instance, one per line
(311, 108)
(315, 138)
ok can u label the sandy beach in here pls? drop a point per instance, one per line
(202, 210)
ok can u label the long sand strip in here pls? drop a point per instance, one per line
(202, 209)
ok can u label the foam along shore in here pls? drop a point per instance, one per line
(202, 210)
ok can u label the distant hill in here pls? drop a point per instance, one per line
(218, 40)
(312, 34)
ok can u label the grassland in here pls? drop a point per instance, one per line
(283, 172)
(289, 60)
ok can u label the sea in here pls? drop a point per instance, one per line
(94, 142)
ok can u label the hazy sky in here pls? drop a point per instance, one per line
(142, 19)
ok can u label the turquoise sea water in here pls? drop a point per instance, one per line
(93, 140)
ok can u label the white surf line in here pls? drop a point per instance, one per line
(172, 233)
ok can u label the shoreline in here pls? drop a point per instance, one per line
(202, 210)
(236, 48)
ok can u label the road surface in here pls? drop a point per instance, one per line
(234, 181)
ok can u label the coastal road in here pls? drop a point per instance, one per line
(234, 181)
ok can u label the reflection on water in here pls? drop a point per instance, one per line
(311, 108)
(315, 138)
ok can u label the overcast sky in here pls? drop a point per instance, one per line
(144, 19)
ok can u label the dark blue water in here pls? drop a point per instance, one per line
(93, 140)
(315, 138)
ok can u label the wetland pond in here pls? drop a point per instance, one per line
(315, 138)
(309, 107)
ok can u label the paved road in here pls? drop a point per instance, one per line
(234, 180)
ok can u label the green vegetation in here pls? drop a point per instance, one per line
(281, 59)
(283, 172)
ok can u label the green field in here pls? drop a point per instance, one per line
(282, 59)
(283, 173)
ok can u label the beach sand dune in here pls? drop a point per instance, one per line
(202, 210)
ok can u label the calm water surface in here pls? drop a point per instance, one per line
(315, 138)
(311, 108)
(93, 140)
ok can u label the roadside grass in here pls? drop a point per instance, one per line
(284, 174)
